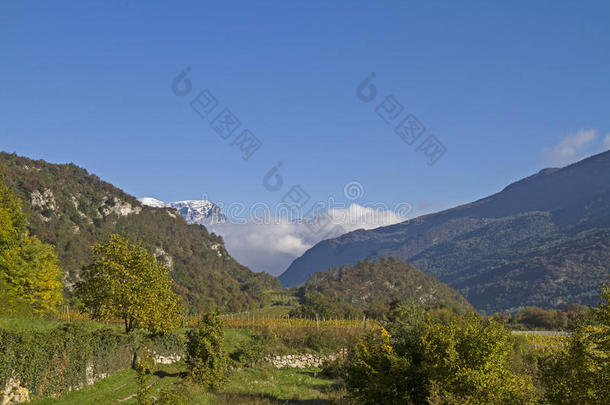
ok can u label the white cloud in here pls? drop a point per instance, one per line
(273, 245)
(606, 142)
(572, 149)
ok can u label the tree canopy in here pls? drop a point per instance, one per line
(30, 278)
(369, 287)
(125, 281)
(580, 373)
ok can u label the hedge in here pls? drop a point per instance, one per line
(70, 356)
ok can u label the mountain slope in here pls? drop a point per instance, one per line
(73, 209)
(544, 240)
(368, 284)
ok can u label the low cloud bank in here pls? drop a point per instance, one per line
(271, 246)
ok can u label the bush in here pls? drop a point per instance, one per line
(174, 396)
(145, 366)
(206, 354)
(534, 318)
(321, 341)
(334, 369)
(254, 349)
(422, 360)
(580, 373)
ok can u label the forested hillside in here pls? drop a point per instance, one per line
(72, 209)
(542, 241)
(371, 286)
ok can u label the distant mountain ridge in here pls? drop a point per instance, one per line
(201, 212)
(543, 240)
(72, 209)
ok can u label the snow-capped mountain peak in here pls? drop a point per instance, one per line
(200, 212)
(152, 202)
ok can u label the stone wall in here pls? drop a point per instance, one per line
(14, 393)
(169, 359)
(304, 360)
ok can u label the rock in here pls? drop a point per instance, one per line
(14, 393)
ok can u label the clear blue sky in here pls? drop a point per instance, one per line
(496, 82)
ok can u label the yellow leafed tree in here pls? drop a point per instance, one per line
(126, 282)
(30, 278)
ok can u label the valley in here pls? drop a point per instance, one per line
(156, 283)
(304, 202)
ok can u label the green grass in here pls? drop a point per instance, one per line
(234, 338)
(118, 388)
(20, 324)
(106, 391)
(273, 386)
(37, 324)
(246, 386)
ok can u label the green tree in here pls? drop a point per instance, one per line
(30, 277)
(125, 281)
(580, 374)
(317, 305)
(207, 357)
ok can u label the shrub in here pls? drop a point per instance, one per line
(420, 360)
(335, 368)
(580, 373)
(145, 366)
(206, 354)
(174, 396)
(320, 340)
(254, 349)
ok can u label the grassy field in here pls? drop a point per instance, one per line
(27, 324)
(259, 385)
(545, 339)
(247, 386)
